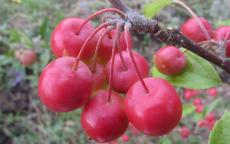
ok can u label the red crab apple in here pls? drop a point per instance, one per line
(125, 76)
(105, 50)
(26, 56)
(99, 78)
(154, 113)
(62, 88)
(170, 60)
(222, 34)
(125, 138)
(212, 92)
(104, 121)
(192, 29)
(185, 132)
(65, 39)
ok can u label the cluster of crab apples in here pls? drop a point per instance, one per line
(97, 70)
(200, 31)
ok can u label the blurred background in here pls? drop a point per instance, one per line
(25, 27)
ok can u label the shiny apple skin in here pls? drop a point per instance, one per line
(170, 60)
(65, 38)
(63, 89)
(105, 50)
(104, 121)
(155, 113)
(123, 78)
(193, 31)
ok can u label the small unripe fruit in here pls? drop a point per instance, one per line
(212, 92)
(170, 60)
(202, 123)
(199, 108)
(26, 57)
(125, 138)
(197, 102)
(185, 132)
(193, 31)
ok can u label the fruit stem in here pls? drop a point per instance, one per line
(65, 53)
(127, 27)
(115, 10)
(113, 61)
(87, 40)
(119, 49)
(97, 47)
(194, 16)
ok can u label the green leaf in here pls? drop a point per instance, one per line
(222, 23)
(153, 8)
(165, 140)
(17, 36)
(221, 131)
(198, 74)
(44, 28)
(45, 57)
(14, 35)
(188, 109)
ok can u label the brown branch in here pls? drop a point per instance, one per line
(168, 35)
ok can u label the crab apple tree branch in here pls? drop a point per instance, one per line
(169, 35)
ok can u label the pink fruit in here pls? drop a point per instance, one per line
(65, 39)
(62, 88)
(125, 76)
(185, 132)
(199, 108)
(170, 60)
(105, 50)
(155, 113)
(197, 101)
(104, 121)
(193, 31)
(212, 92)
(26, 57)
(125, 138)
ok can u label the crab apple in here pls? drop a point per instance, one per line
(222, 34)
(99, 78)
(185, 132)
(125, 75)
(197, 101)
(210, 117)
(212, 92)
(26, 56)
(202, 123)
(155, 112)
(193, 31)
(105, 49)
(104, 120)
(189, 93)
(66, 40)
(199, 108)
(125, 138)
(62, 88)
(170, 60)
